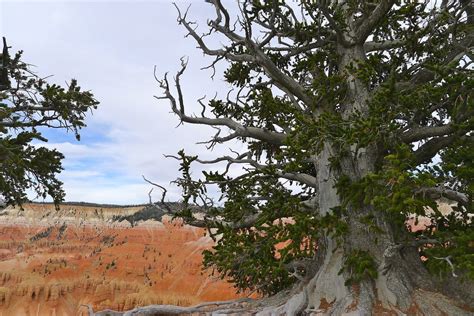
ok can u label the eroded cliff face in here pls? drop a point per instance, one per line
(55, 262)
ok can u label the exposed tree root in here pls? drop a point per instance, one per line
(430, 303)
(239, 306)
(423, 303)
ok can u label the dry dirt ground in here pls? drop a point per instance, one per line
(52, 263)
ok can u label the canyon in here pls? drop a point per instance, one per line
(60, 262)
(80, 256)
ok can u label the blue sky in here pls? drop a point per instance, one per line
(111, 49)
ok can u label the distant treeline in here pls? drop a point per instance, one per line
(91, 204)
(171, 204)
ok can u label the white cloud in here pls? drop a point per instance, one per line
(70, 150)
(80, 174)
(111, 49)
(107, 192)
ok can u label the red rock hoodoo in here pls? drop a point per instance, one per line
(54, 262)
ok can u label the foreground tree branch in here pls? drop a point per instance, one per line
(442, 192)
(240, 130)
(29, 103)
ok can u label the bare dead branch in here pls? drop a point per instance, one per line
(307, 179)
(448, 260)
(432, 147)
(149, 196)
(257, 55)
(371, 22)
(163, 196)
(420, 133)
(375, 46)
(341, 34)
(179, 109)
(440, 192)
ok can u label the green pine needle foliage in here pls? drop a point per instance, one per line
(416, 118)
(28, 105)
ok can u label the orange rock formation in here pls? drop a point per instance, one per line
(54, 263)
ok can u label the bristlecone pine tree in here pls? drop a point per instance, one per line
(28, 106)
(357, 116)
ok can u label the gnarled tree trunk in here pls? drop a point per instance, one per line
(402, 284)
(397, 281)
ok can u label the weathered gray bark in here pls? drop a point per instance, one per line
(403, 286)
